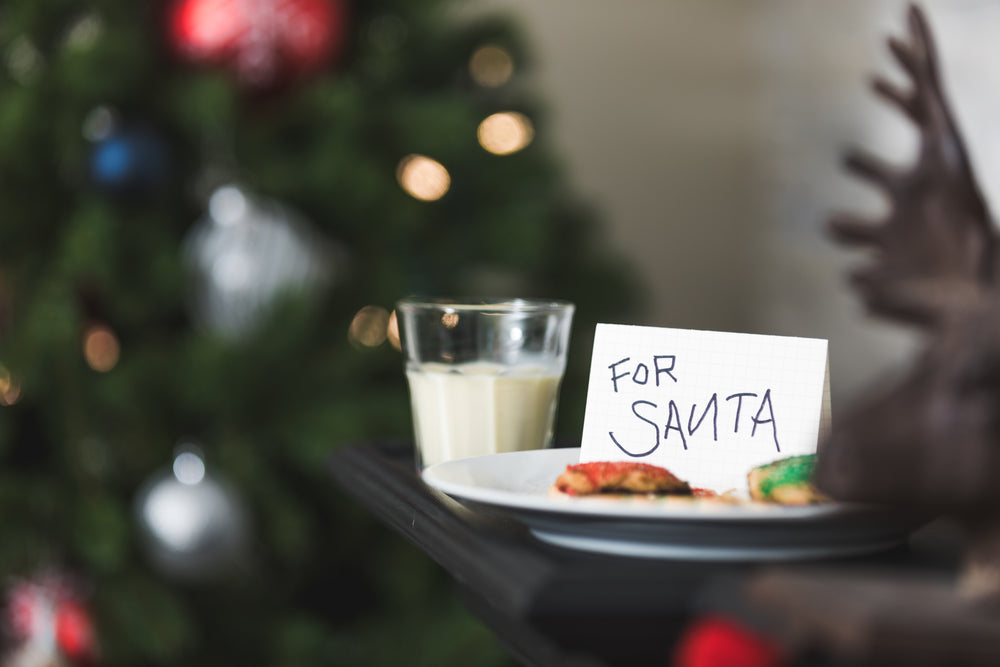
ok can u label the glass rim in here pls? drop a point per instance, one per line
(485, 304)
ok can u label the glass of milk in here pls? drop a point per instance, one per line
(484, 374)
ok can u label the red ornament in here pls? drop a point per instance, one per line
(263, 41)
(48, 616)
(715, 641)
(74, 631)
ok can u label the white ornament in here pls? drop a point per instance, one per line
(195, 526)
(244, 253)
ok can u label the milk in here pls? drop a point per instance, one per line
(481, 408)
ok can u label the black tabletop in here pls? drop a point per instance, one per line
(552, 606)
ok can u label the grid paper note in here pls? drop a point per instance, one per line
(706, 405)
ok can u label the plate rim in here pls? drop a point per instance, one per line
(633, 510)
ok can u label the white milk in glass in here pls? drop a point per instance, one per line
(481, 408)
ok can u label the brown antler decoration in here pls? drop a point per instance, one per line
(937, 234)
(931, 440)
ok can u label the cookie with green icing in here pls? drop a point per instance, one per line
(787, 481)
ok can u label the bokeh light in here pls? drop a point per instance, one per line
(99, 123)
(505, 132)
(84, 33)
(392, 332)
(491, 66)
(100, 347)
(423, 178)
(189, 465)
(24, 61)
(228, 205)
(10, 391)
(369, 327)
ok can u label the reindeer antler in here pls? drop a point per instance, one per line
(937, 233)
(931, 438)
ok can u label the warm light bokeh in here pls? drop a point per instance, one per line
(369, 327)
(505, 132)
(392, 332)
(491, 66)
(423, 178)
(100, 348)
(10, 391)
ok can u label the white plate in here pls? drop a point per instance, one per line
(519, 483)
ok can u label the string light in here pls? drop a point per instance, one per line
(99, 124)
(11, 395)
(369, 327)
(491, 66)
(84, 33)
(100, 348)
(423, 178)
(505, 132)
(10, 391)
(392, 332)
(24, 61)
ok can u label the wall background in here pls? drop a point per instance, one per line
(708, 133)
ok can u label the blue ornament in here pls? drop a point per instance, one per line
(132, 159)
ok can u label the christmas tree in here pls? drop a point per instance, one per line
(207, 211)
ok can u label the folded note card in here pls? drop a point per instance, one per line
(706, 405)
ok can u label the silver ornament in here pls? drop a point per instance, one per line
(195, 526)
(245, 252)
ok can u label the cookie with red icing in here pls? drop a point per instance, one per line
(619, 477)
